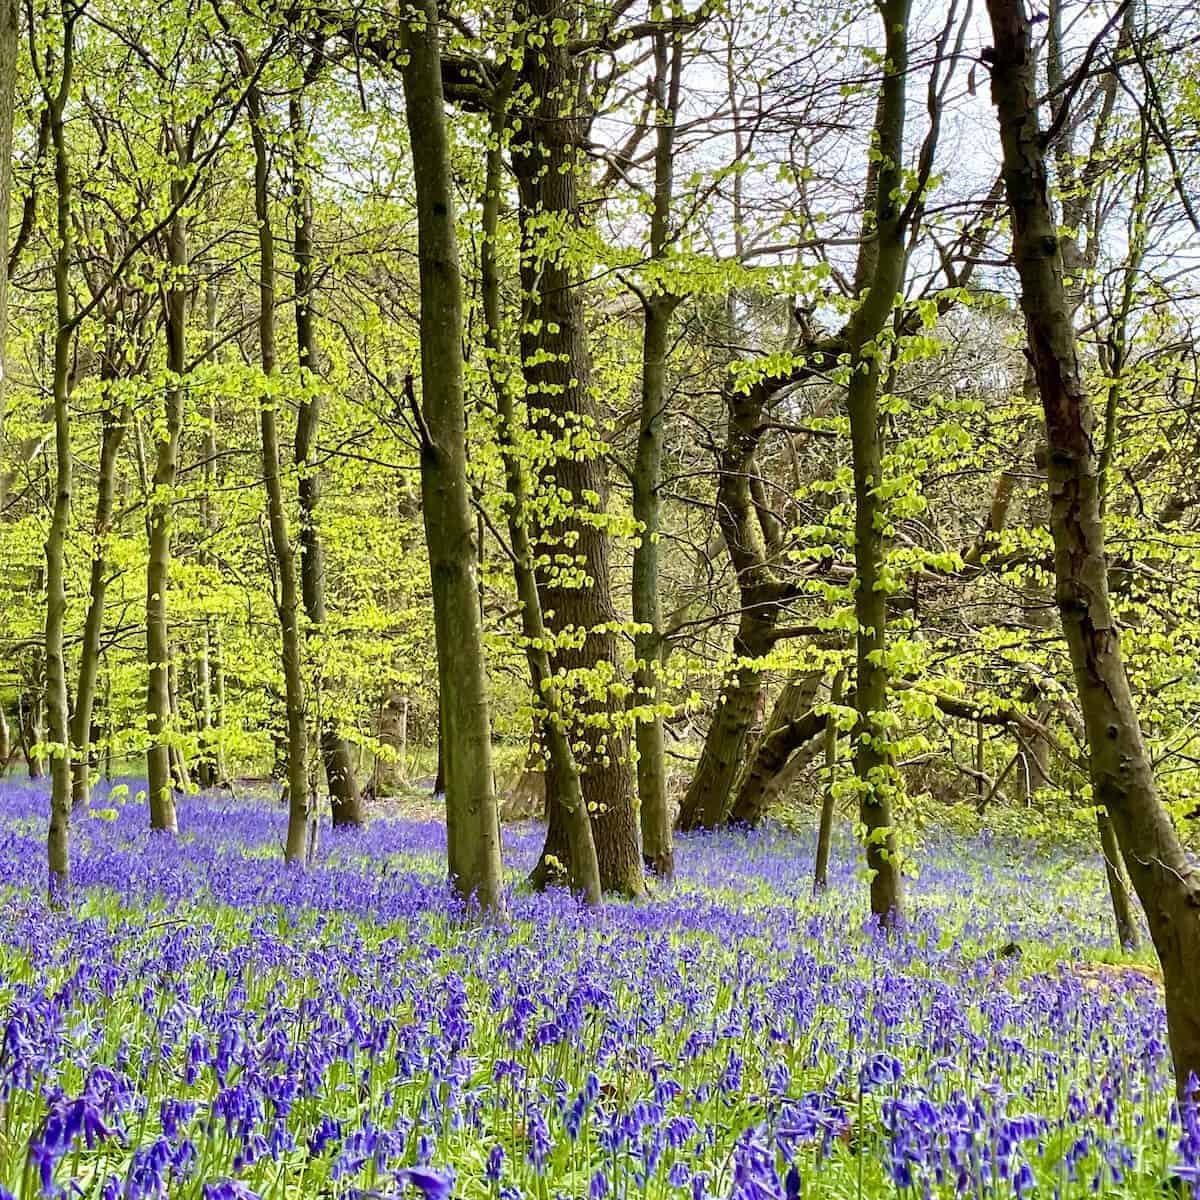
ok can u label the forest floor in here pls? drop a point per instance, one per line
(206, 1022)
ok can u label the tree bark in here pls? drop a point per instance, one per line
(762, 596)
(657, 308)
(158, 567)
(1122, 777)
(828, 796)
(547, 158)
(288, 603)
(879, 276)
(564, 780)
(116, 420)
(344, 798)
(1118, 889)
(57, 702)
(9, 28)
(793, 725)
(472, 824)
(210, 768)
(179, 768)
(31, 710)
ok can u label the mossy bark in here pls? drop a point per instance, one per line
(473, 829)
(1162, 874)
(548, 155)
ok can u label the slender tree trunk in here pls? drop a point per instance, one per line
(288, 602)
(828, 796)
(335, 750)
(584, 866)
(218, 682)
(548, 158)
(115, 423)
(9, 27)
(1118, 889)
(6, 749)
(158, 568)
(657, 307)
(879, 277)
(1122, 776)
(472, 824)
(206, 774)
(210, 769)
(180, 775)
(57, 702)
(107, 758)
(657, 848)
(31, 711)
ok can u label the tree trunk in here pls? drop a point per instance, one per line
(1164, 878)
(563, 780)
(206, 771)
(1118, 890)
(657, 308)
(879, 276)
(657, 848)
(115, 422)
(210, 768)
(762, 596)
(472, 824)
(288, 604)
(344, 799)
(828, 796)
(31, 714)
(9, 26)
(158, 646)
(179, 768)
(389, 777)
(57, 702)
(547, 159)
(787, 729)
(218, 682)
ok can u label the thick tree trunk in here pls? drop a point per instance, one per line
(791, 725)
(288, 602)
(472, 824)
(1163, 876)
(762, 597)
(547, 159)
(583, 865)
(158, 566)
(115, 422)
(344, 799)
(389, 777)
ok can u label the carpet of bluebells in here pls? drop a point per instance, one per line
(206, 1022)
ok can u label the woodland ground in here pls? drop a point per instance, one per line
(206, 1022)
